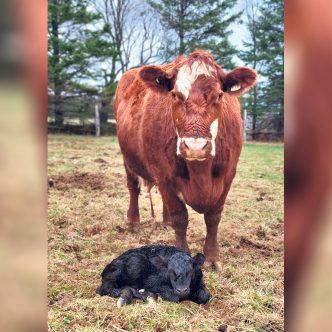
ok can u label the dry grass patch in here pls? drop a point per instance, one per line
(87, 228)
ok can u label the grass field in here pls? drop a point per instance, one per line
(87, 228)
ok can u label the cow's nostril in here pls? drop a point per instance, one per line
(195, 143)
(182, 290)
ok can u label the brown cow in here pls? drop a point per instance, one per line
(179, 128)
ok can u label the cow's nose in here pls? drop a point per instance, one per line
(195, 144)
(182, 291)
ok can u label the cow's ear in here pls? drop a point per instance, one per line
(158, 261)
(199, 260)
(157, 79)
(239, 80)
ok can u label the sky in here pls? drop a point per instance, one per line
(239, 34)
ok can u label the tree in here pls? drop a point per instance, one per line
(197, 24)
(263, 51)
(270, 49)
(129, 26)
(251, 57)
(73, 44)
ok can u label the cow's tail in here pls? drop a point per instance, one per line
(151, 204)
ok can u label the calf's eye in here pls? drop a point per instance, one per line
(173, 275)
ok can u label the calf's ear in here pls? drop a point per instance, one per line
(158, 261)
(157, 79)
(199, 260)
(239, 81)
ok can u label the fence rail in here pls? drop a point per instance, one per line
(84, 115)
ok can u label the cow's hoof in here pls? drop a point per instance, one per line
(167, 222)
(133, 227)
(212, 266)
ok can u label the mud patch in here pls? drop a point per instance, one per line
(85, 181)
(260, 248)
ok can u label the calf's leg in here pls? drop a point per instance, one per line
(201, 295)
(145, 295)
(108, 289)
(166, 293)
(126, 297)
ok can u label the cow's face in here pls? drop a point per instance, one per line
(196, 91)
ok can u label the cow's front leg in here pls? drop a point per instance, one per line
(211, 247)
(134, 190)
(179, 217)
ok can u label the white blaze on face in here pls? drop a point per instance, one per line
(214, 132)
(187, 76)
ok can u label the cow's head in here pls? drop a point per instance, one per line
(180, 270)
(197, 87)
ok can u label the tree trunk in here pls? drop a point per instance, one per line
(57, 83)
(97, 118)
(254, 120)
(181, 30)
(57, 106)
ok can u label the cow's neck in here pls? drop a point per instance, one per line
(200, 173)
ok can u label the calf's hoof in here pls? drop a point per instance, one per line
(152, 299)
(121, 302)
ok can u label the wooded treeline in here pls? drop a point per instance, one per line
(91, 42)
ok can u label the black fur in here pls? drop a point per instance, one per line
(164, 270)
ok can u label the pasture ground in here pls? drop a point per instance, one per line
(87, 228)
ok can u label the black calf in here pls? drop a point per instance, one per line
(144, 272)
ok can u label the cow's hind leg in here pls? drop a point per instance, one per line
(167, 221)
(134, 191)
(179, 217)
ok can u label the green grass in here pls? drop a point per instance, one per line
(87, 229)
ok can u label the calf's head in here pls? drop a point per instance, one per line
(196, 89)
(180, 269)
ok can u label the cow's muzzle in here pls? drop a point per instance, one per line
(192, 148)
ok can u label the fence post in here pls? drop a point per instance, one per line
(97, 119)
(244, 125)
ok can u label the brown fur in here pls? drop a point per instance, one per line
(148, 112)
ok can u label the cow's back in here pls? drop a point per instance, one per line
(128, 107)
